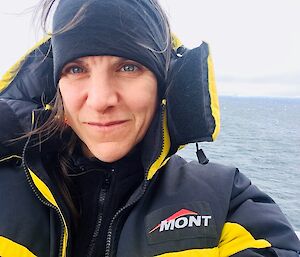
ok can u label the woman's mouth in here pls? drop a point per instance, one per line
(108, 125)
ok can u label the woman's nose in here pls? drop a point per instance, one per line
(102, 92)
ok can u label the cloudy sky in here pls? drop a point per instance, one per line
(255, 43)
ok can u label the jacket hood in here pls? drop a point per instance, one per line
(188, 113)
(24, 87)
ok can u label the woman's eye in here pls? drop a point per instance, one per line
(72, 69)
(75, 70)
(129, 67)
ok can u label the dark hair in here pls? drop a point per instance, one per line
(55, 125)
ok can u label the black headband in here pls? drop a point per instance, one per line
(132, 29)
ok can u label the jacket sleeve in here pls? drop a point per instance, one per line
(255, 225)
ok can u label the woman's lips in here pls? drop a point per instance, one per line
(107, 125)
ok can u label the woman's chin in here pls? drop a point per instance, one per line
(108, 153)
(109, 157)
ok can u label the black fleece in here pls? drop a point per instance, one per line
(99, 190)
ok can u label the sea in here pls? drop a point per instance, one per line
(261, 137)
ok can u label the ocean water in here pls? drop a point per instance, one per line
(261, 136)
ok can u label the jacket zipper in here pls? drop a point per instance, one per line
(110, 229)
(110, 233)
(101, 201)
(32, 186)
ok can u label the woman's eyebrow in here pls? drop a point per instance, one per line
(88, 59)
(76, 61)
(119, 59)
(79, 60)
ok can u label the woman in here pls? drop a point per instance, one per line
(98, 175)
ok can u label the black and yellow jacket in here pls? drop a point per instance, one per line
(181, 208)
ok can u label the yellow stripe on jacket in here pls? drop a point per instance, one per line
(9, 248)
(234, 238)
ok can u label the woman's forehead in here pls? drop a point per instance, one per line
(110, 59)
(100, 57)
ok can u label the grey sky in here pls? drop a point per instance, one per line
(255, 43)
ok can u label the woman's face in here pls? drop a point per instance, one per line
(109, 102)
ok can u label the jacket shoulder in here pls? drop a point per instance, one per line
(185, 181)
(211, 172)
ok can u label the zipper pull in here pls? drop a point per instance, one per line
(202, 159)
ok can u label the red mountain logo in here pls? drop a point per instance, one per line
(179, 220)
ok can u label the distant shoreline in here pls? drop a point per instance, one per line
(255, 96)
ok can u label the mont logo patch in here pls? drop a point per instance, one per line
(181, 221)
